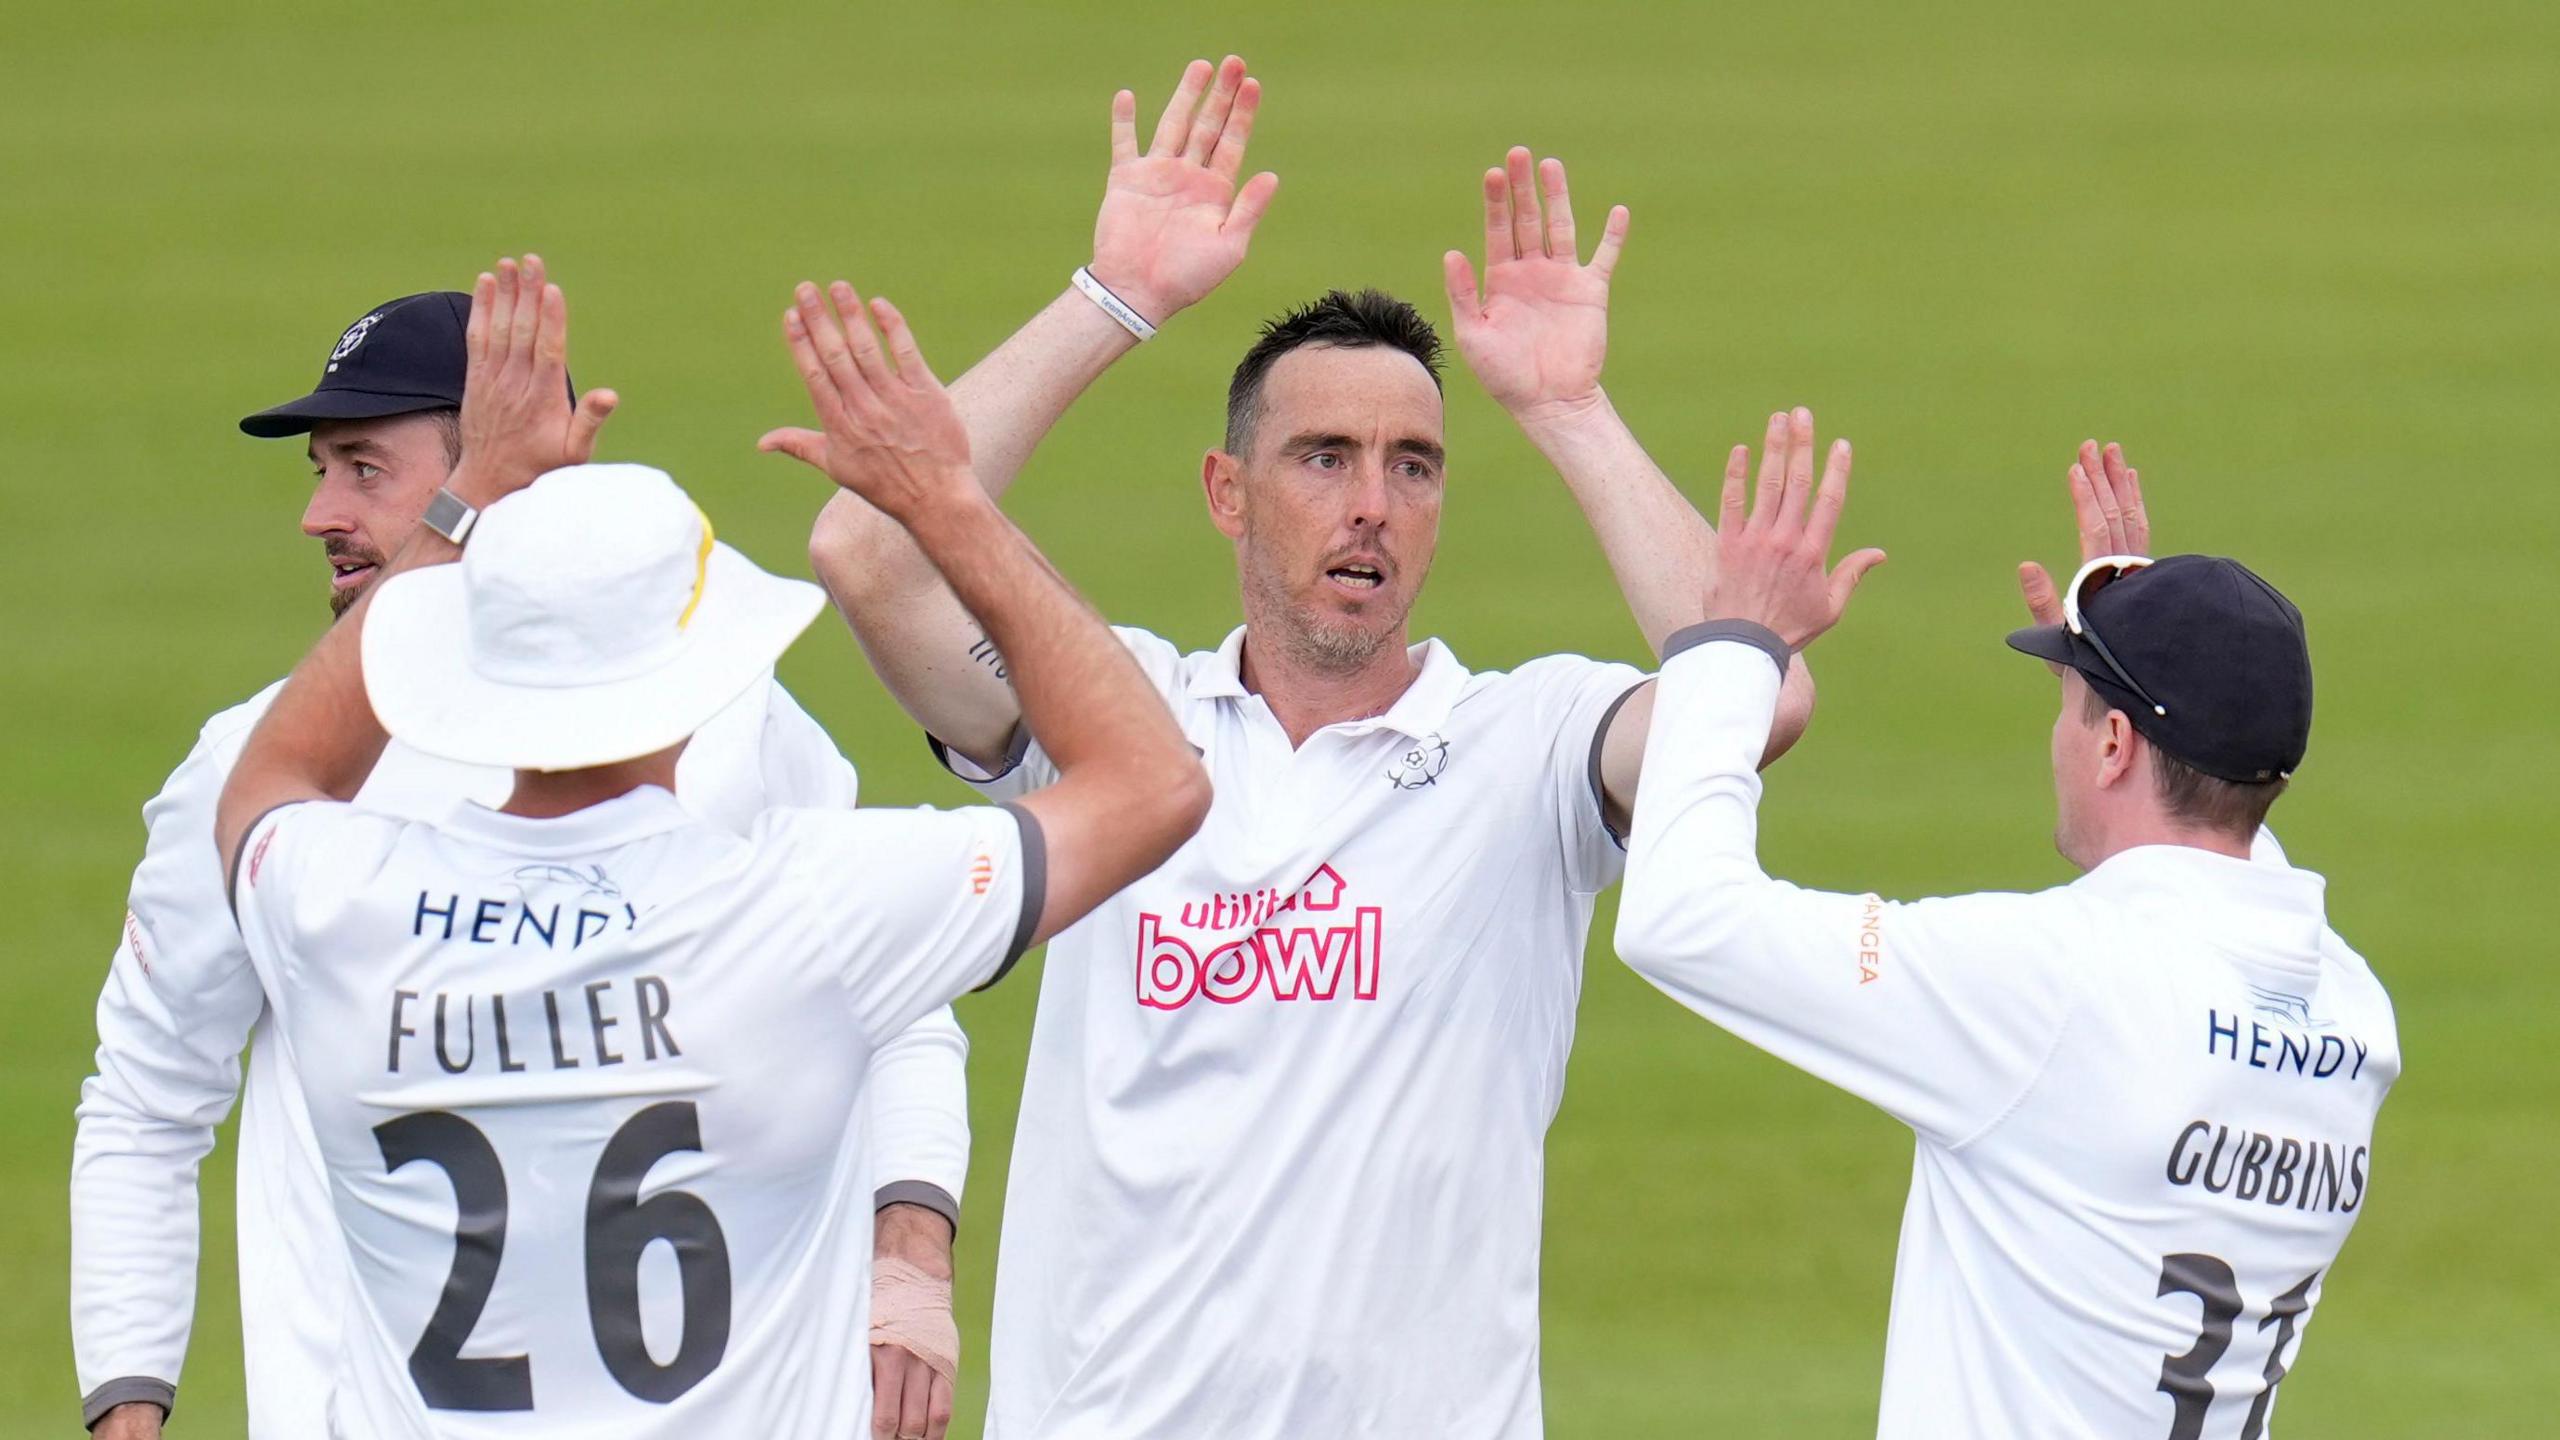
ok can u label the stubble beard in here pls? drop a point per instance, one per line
(1340, 649)
(1313, 641)
(342, 601)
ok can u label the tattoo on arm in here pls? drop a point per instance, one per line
(984, 652)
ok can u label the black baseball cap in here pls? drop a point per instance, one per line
(405, 355)
(2219, 649)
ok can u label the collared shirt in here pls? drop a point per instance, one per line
(1279, 1165)
(181, 1000)
(586, 1092)
(2144, 1101)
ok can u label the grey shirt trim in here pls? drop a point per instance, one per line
(1035, 888)
(919, 1192)
(128, 1390)
(1015, 751)
(1599, 738)
(239, 858)
(1759, 637)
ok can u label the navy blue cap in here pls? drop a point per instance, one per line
(405, 355)
(2221, 650)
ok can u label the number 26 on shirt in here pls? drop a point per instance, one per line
(619, 1226)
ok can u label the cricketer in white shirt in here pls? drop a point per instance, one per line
(693, 1011)
(1287, 1099)
(557, 1015)
(181, 1000)
(1279, 1168)
(2144, 1101)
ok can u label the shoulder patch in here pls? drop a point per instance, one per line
(258, 853)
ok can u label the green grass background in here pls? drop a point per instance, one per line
(2300, 257)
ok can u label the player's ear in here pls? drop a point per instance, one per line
(2116, 743)
(1222, 483)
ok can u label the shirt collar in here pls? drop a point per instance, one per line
(2261, 912)
(632, 815)
(1422, 710)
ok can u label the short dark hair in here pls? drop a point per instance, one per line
(1350, 320)
(2228, 807)
(449, 425)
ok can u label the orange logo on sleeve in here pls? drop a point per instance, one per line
(1870, 940)
(258, 856)
(982, 873)
(133, 940)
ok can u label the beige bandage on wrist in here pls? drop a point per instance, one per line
(912, 1310)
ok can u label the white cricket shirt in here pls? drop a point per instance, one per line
(586, 1091)
(1280, 1159)
(2144, 1100)
(181, 1000)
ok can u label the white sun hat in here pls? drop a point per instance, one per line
(593, 618)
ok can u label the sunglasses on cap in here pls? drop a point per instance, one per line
(2092, 578)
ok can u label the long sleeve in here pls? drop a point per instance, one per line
(1941, 1012)
(177, 1009)
(919, 1078)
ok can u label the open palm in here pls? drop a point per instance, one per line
(1174, 222)
(1539, 332)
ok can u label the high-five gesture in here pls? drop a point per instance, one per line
(891, 435)
(1537, 335)
(517, 419)
(1173, 222)
(1773, 566)
(2106, 496)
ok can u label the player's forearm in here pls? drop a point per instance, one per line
(134, 1244)
(935, 659)
(1795, 712)
(1659, 547)
(134, 1420)
(1081, 693)
(1008, 402)
(134, 1249)
(916, 1234)
(946, 672)
(918, 1095)
(1693, 877)
(1012, 399)
(320, 738)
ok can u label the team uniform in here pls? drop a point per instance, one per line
(534, 1050)
(181, 1000)
(2144, 1101)
(1280, 1159)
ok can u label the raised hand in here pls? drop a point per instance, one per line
(1537, 335)
(1771, 563)
(2106, 497)
(517, 419)
(1173, 223)
(890, 434)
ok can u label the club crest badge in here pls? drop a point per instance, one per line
(354, 337)
(1421, 765)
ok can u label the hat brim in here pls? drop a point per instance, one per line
(2049, 643)
(2056, 645)
(296, 417)
(419, 674)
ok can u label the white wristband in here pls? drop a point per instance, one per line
(1112, 305)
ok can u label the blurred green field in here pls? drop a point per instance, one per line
(2304, 259)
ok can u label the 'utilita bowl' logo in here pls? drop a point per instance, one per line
(1306, 944)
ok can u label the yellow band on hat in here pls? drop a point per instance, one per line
(701, 570)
